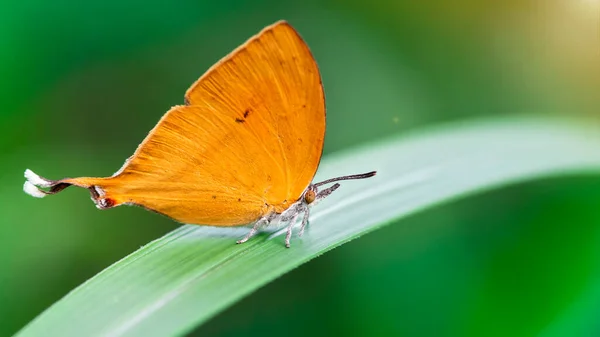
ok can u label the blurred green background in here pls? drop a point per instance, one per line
(83, 82)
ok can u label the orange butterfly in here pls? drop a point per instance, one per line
(243, 149)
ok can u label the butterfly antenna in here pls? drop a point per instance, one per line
(354, 176)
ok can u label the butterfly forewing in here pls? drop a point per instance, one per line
(271, 88)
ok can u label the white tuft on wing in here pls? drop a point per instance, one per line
(37, 180)
(33, 191)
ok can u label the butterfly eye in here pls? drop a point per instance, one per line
(310, 196)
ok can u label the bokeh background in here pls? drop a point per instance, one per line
(81, 83)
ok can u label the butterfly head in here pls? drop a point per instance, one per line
(311, 194)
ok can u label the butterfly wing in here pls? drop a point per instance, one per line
(248, 141)
(271, 87)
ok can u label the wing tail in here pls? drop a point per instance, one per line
(39, 187)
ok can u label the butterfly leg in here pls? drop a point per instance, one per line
(304, 221)
(255, 228)
(288, 235)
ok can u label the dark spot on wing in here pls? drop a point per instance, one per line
(239, 199)
(269, 178)
(214, 196)
(245, 114)
(304, 105)
(108, 202)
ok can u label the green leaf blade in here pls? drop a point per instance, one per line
(179, 281)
